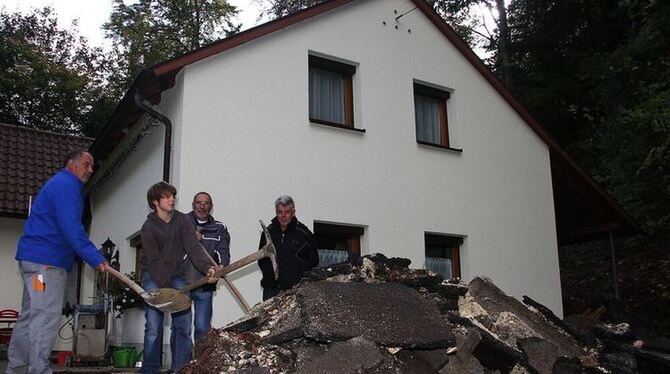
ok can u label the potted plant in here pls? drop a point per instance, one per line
(123, 297)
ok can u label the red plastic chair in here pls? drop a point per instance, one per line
(8, 317)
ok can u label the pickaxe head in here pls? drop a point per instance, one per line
(270, 250)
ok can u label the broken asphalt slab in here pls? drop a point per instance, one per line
(385, 313)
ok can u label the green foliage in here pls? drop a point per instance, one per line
(281, 8)
(49, 78)
(596, 75)
(466, 18)
(150, 31)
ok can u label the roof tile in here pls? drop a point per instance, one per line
(27, 159)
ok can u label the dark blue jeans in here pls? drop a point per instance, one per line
(180, 332)
(202, 318)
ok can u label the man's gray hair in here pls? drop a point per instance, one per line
(73, 155)
(284, 200)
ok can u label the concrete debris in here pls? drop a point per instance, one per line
(463, 361)
(495, 302)
(375, 315)
(469, 308)
(511, 328)
(541, 354)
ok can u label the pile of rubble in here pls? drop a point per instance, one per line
(376, 315)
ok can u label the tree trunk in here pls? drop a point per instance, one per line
(504, 63)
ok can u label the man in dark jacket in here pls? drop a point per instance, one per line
(296, 249)
(214, 237)
(167, 237)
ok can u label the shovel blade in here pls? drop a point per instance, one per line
(167, 300)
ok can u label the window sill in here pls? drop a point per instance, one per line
(446, 148)
(315, 121)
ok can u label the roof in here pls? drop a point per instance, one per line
(584, 211)
(28, 158)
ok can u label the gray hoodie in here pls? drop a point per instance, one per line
(164, 245)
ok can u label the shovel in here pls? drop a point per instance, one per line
(164, 299)
(268, 250)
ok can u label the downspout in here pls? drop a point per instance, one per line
(144, 105)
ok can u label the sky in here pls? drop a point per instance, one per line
(93, 13)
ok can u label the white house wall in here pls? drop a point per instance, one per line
(11, 291)
(241, 132)
(247, 139)
(119, 205)
(120, 209)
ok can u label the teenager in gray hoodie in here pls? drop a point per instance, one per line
(167, 237)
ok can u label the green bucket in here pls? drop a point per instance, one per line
(125, 357)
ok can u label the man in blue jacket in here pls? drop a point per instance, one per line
(53, 235)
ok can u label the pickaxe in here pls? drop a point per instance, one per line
(268, 251)
(230, 284)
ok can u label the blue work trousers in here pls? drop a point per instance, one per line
(35, 332)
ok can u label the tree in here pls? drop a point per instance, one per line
(49, 78)
(151, 31)
(469, 19)
(281, 8)
(596, 75)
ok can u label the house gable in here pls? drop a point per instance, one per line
(573, 186)
(247, 137)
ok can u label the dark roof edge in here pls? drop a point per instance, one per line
(245, 36)
(46, 132)
(122, 107)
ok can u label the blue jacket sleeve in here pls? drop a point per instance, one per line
(69, 206)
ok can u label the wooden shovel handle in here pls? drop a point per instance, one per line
(225, 270)
(128, 282)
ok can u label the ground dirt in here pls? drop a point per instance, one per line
(643, 274)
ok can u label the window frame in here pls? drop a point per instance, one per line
(451, 242)
(347, 71)
(352, 234)
(442, 97)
